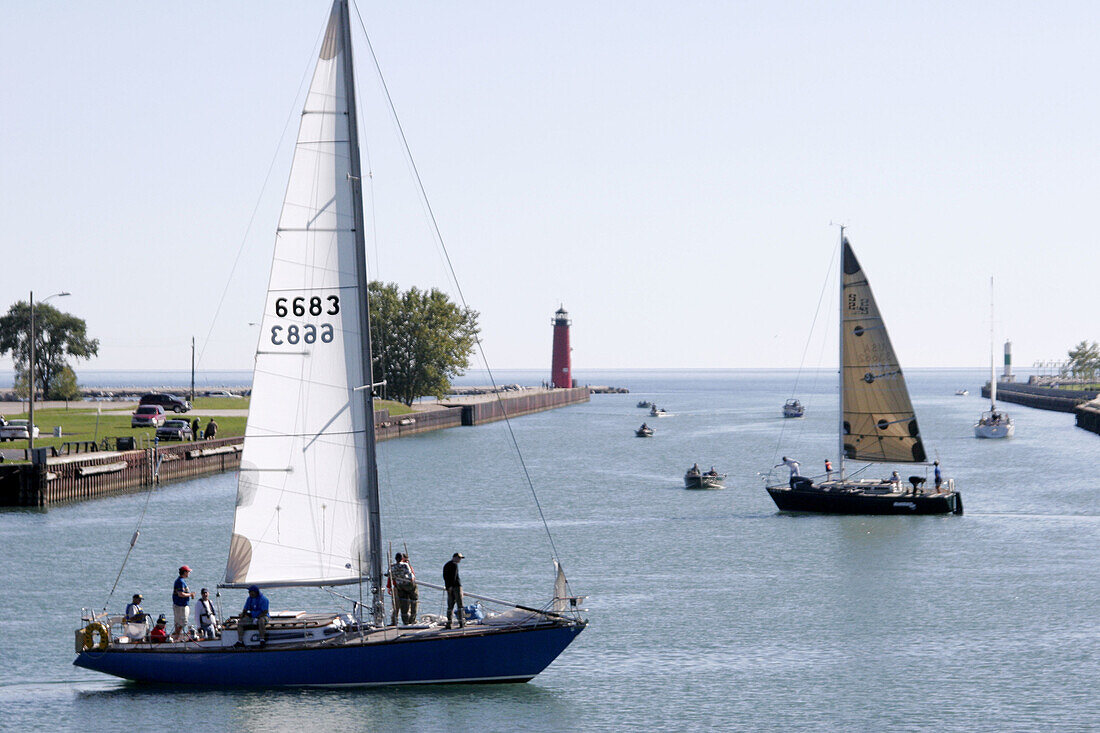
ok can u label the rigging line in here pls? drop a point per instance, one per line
(454, 278)
(259, 200)
(805, 349)
(133, 541)
(824, 338)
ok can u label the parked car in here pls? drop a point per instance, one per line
(225, 394)
(147, 416)
(169, 402)
(175, 430)
(16, 430)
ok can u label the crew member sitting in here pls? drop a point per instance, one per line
(137, 621)
(159, 634)
(253, 616)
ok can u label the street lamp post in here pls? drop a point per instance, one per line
(30, 382)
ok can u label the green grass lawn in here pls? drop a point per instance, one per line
(220, 403)
(81, 423)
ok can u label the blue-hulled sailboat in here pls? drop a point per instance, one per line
(307, 512)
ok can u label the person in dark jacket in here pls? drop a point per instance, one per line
(211, 430)
(196, 429)
(453, 584)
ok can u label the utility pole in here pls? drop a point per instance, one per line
(30, 384)
(192, 400)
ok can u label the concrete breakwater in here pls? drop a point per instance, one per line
(1043, 398)
(103, 473)
(1088, 416)
(476, 406)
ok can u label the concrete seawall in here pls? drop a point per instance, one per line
(103, 473)
(1088, 416)
(1043, 398)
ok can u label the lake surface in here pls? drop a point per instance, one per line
(708, 609)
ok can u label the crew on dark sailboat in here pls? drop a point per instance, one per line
(793, 465)
(453, 583)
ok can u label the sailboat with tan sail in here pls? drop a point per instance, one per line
(876, 424)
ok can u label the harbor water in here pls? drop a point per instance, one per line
(708, 609)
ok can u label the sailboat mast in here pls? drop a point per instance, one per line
(992, 352)
(840, 359)
(374, 520)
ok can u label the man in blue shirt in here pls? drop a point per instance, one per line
(181, 602)
(253, 616)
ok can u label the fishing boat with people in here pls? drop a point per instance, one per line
(307, 506)
(645, 403)
(659, 412)
(876, 423)
(694, 479)
(793, 408)
(644, 432)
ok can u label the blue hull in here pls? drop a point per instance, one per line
(496, 656)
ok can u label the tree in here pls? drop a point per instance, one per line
(1084, 360)
(57, 336)
(420, 340)
(64, 387)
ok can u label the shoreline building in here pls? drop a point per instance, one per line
(561, 369)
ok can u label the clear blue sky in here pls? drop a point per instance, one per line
(668, 171)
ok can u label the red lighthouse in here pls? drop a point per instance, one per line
(561, 370)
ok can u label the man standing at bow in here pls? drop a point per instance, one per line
(453, 583)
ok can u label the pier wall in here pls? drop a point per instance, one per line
(386, 427)
(103, 473)
(495, 409)
(1043, 398)
(1088, 416)
(112, 472)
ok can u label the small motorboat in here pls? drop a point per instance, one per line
(659, 412)
(645, 403)
(793, 408)
(962, 392)
(644, 432)
(694, 479)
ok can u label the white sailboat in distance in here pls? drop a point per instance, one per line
(993, 423)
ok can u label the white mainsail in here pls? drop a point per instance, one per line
(302, 514)
(879, 423)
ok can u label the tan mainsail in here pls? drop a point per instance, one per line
(879, 424)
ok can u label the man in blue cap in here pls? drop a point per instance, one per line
(253, 616)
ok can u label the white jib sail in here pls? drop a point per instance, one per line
(301, 513)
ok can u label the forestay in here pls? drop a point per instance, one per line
(302, 515)
(879, 423)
